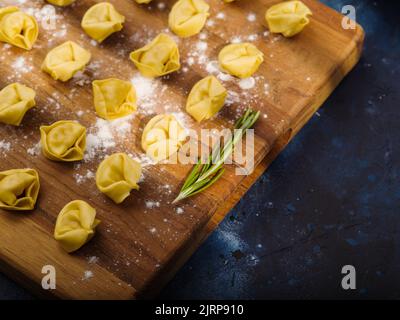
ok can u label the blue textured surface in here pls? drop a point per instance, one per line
(331, 198)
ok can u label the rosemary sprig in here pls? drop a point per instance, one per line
(203, 175)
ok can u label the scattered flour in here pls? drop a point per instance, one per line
(4, 146)
(35, 150)
(251, 17)
(247, 83)
(20, 65)
(146, 89)
(87, 275)
(79, 178)
(179, 210)
(93, 259)
(150, 204)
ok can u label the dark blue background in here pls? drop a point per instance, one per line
(332, 197)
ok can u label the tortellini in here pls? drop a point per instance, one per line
(187, 17)
(15, 100)
(18, 28)
(101, 20)
(64, 61)
(158, 58)
(61, 3)
(240, 59)
(162, 137)
(114, 98)
(19, 189)
(206, 98)
(75, 225)
(117, 175)
(288, 18)
(63, 141)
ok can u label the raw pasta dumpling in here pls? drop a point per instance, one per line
(61, 3)
(19, 189)
(288, 18)
(240, 59)
(114, 98)
(15, 100)
(187, 17)
(63, 141)
(162, 137)
(18, 28)
(206, 98)
(158, 58)
(101, 20)
(75, 225)
(64, 61)
(117, 175)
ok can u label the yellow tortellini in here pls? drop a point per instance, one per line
(117, 175)
(61, 3)
(158, 58)
(63, 141)
(18, 28)
(240, 59)
(19, 189)
(143, 1)
(15, 100)
(187, 17)
(64, 61)
(75, 225)
(114, 98)
(162, 137)
(101, 20)
(288, 18)
(206, 98)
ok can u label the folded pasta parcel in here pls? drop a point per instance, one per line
(240, 59)
(61, 3)
(63, 141)
(206, 98)
(19, 189)
(187, 17)
(18, 28)
(75, 225)
(15, 100)
(162, 136)
(101, 20)
(64, 61)
(114, 98)
(117, 175)
(158, 58)
(288, 18)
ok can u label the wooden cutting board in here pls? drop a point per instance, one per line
(141, 244)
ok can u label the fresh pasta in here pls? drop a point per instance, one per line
(18, 28)
(19, 189)
(240, 59)
(75, 225)
(187, 17)
(61, 3)
(158, 58)
(15, 100)
(101, 20)
(117, 175)
(288, 18)
(114, 98)
(64, 61)
(206, 98)
(162, 137)
(63, 141)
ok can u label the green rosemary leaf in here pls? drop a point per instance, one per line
(203, 175)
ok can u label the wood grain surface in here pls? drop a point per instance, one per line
(141, 243)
